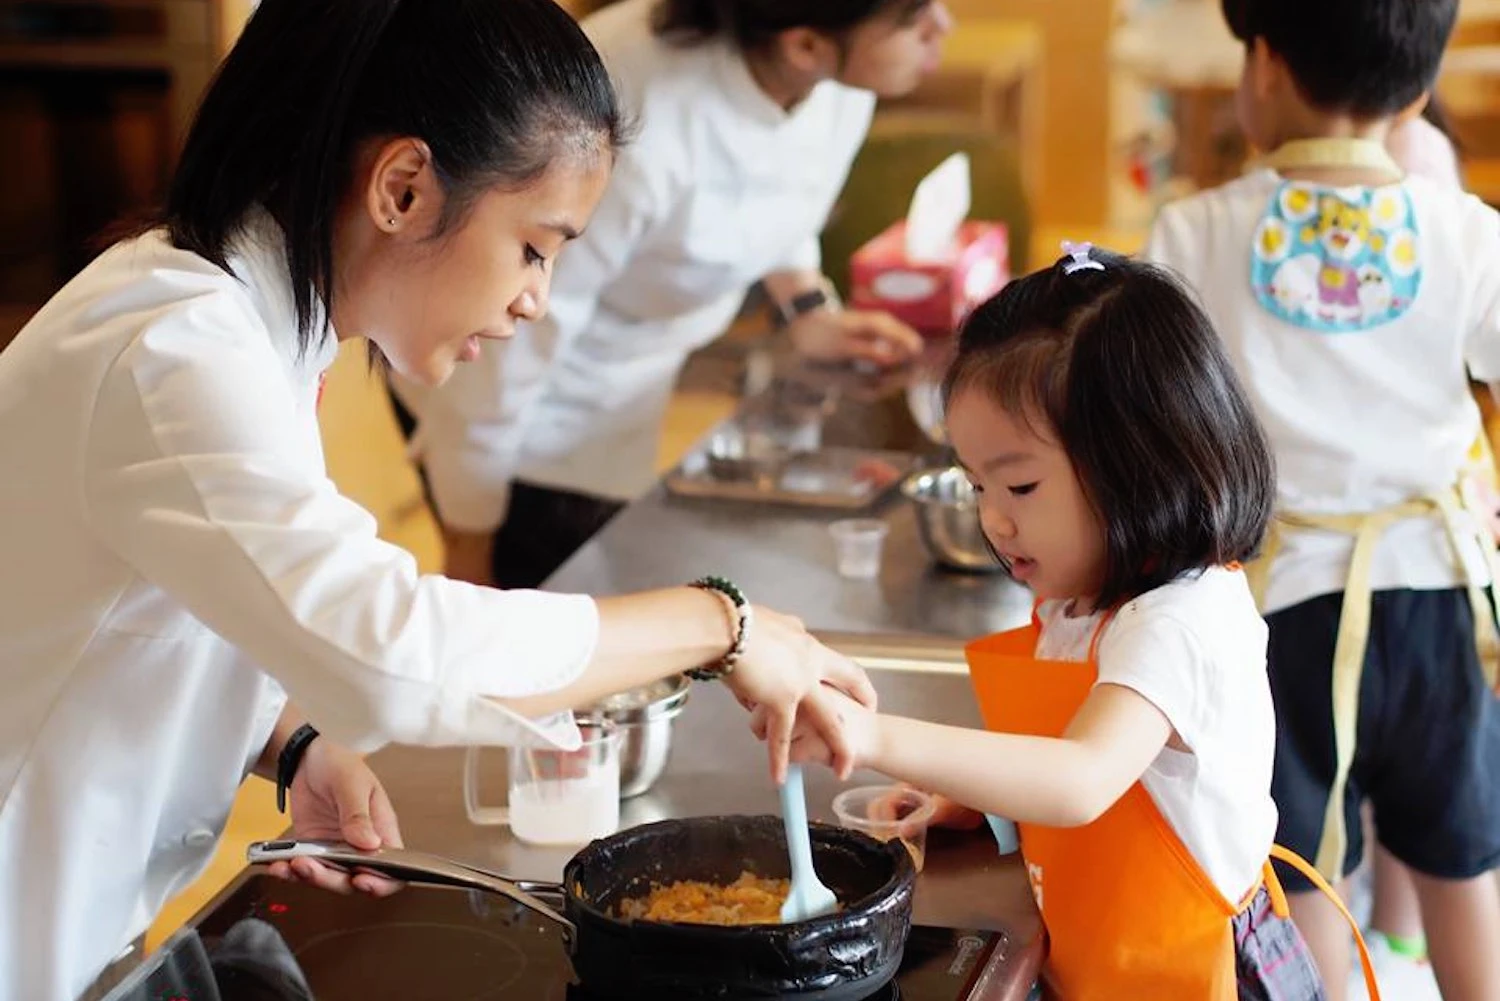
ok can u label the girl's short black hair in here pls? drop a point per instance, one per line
(497, 89)
(1129, 376)
(754, 24)
(1368, 58)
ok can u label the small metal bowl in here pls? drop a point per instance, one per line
(948, 520)
(644, 718)
(735, 456)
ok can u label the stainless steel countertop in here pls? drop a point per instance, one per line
(783, 557)
(717, 767)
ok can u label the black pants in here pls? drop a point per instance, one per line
(542, 528)
(1427, 748)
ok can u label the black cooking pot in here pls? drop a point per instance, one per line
(845, 956)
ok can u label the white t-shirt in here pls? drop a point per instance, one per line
(1196, 649)
(720, 187)
(1359, 372)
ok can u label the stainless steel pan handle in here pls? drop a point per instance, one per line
(414, 867)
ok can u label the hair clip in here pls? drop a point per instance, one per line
(1081, 260)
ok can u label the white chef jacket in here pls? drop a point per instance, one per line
(720, 187)
(175, 557)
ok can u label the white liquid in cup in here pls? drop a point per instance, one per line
(566, 811)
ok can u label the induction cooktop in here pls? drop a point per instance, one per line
(270, 940)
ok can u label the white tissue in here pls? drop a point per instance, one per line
(939, 207)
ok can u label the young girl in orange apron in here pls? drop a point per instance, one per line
(1123, 476)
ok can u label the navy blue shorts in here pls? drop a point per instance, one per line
(1427, 749)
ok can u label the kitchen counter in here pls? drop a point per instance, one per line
(782, 556)
(717, 767)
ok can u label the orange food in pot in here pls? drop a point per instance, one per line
(749, 900)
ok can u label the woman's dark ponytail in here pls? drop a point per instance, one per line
(267, 138)
(754, 24)
(497, 89)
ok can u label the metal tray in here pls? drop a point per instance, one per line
(843, 479)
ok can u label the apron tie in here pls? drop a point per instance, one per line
(1354, 627)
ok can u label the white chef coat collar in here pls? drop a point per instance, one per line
(746, 93)
(257, 256)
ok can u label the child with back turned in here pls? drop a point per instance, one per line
(1355, 301)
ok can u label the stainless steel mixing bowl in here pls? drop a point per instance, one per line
(644, 718)
(948, 519)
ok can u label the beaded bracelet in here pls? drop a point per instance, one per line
(742, 612)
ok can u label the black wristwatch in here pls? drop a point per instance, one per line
(288, 760)
(783, 313)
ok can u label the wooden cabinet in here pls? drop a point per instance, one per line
(1075, 96)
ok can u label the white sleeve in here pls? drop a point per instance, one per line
(1158, 657)
(1482, 249)
(1171, 244)
(808, 256)
(200, 477)
(470, 429)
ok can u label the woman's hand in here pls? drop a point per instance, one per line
(466, 556)
(335, 796)
(830, 729)
(854, 335)
(778, 674)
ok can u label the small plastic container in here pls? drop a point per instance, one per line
(888, 812)
(857, 545)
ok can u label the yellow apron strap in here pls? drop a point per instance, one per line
(1349, 659)
(1295, 861)
(1354, 626)
(1458, 519)
(1258, 570)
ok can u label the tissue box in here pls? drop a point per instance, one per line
(932, 296)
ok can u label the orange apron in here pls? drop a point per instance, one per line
(1129, 913)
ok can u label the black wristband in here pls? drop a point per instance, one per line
(288, 760)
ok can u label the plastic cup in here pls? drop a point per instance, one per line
(857, 544)
(887, 813)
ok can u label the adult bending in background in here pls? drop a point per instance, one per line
(750, 114)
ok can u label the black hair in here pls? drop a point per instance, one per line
(497, 89)
(1130, 378)
(754, 24)
(1367, 58)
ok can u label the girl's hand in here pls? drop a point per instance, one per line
(335, 796)
(781, 668)
(851, 743)
(952, 814)
(946, 812)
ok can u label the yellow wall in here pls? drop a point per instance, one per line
(1076, 89)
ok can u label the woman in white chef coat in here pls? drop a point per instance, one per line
(750, 114)
(183, 587)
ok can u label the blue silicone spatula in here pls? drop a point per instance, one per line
(808, 897)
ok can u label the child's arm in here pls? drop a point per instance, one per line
(1060, 782)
